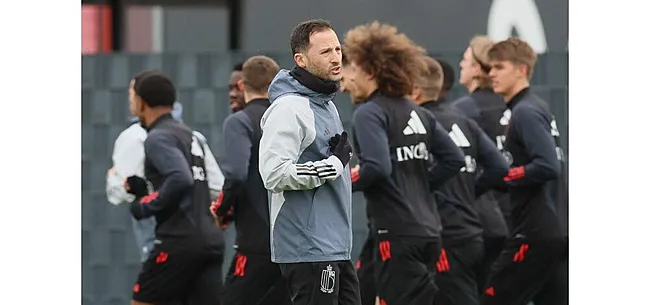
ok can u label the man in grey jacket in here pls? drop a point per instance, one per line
(304, 155)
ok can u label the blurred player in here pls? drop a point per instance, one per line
(447, 81)
(185, 264)
(252, 278)
(236, 95)
(128, 159)
(490, 112)
(462, 253)
(365, 264)
(304, 155)
(532, 265)
(393, 138)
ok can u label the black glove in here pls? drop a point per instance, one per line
(342, 149)
(137, 186)
(333, 142)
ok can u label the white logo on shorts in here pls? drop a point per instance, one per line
(327, 280)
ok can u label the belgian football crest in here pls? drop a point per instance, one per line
(327, 280)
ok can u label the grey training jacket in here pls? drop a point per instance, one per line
(310, 190)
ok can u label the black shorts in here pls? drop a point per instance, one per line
(456, 277)
(556, 289)
(366, 272)
(254, 279)
(405, 269)
(523, 269)
(493, 247)
(178, 272)
(322, 283)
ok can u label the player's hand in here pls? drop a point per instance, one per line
(333, 142)
(222, 221)
(215, 205)
(514, 174)
(216, 209)
(342, 149)
(137, 186)
(354, 173)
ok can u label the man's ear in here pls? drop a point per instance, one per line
(523, 69)
(240, 85)
(139, 105)
(415, 94)
(299, 58)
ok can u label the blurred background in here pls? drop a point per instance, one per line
(198, 42)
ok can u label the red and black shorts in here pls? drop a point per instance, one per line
(456, 272)
(523, 271)
(254, 279)
(405, 269)
(178, 272)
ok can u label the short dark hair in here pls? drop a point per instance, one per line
(156, 89)
(302, 32)
(448, 75)
(137, 79)
(258, 73)
(238, 67)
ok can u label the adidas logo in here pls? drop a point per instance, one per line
(505, 119)
(415, 125)
(458, 136)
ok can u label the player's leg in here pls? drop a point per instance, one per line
(521, 271)
(556, 289)
(279, 292)
(365, 272)
(456, 277)
(493, 247)
(405, 270)
(349, 293)
(313, 283)
(231, 293)
(167, 276)
(207, 286)
(250, 280)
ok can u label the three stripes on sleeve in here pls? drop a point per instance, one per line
(321, 170)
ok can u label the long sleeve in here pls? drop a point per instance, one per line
(237, 136)
(534, 131)
(128, 160)
(287, 129)
(492, 162)
(170, 161)
(370, 133)
(448, 157)
(215, 177)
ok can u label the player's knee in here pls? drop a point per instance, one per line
(134, 302)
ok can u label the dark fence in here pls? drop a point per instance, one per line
(110, 261)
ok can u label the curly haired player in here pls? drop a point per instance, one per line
(395, 140)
